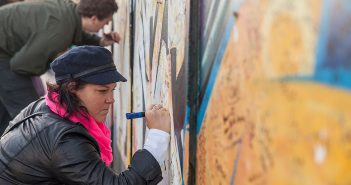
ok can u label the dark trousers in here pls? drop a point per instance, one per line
(16, 92)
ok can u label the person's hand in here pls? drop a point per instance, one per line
(158, 117)
(109, 38)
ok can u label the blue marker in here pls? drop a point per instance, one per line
(133, 115)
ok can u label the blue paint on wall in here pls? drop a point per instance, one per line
(333, 56)
(185, 130)
(214, 72)
(235, 168)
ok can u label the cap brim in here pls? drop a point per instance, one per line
(104, 77)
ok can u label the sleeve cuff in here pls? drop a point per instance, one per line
(156, 143)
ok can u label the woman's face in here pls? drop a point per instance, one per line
(97, 99)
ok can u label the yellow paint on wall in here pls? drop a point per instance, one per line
(308, 126)
(280, 132)
(285, 46)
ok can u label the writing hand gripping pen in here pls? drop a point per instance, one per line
(156, 118)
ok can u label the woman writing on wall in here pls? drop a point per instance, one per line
(61, 139)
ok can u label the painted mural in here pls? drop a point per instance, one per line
(157, 76)
(159, 73)
(121, 127)
(276, 107)
(275, 89)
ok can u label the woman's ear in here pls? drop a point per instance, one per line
(72, 87)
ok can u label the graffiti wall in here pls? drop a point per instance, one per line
(274, 89)
(157, 75)
(121, 126)
(276, 107)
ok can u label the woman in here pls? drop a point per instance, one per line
(61, 139)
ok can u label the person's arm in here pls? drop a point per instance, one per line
(33, 58)
(156, 143)
(77, 161)
(158, 120)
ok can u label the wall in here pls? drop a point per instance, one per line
(279, 103)
(157, 74)
(274, 88)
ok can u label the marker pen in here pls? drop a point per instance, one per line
(133, 115)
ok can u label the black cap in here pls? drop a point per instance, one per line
(91, 64)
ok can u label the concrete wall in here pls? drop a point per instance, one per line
(278, 107)
(275, 84)
(157, 74)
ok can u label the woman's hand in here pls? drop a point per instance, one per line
(158, 117)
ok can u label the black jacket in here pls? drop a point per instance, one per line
(39, 147)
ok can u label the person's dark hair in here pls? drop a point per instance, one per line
(3, 2)
(100, 8)
(66, 96)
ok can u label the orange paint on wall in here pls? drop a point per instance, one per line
(280, 131)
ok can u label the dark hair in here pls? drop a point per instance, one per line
(66, 96)
(3, 2)
(100, 8)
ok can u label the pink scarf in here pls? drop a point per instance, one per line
(97, 130)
